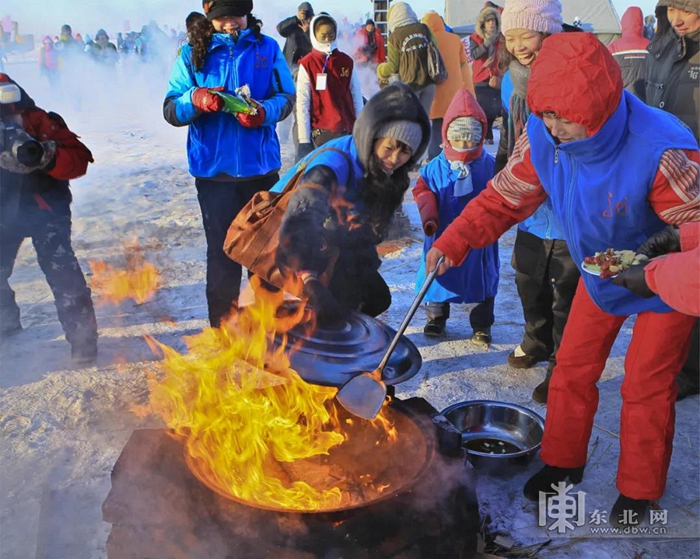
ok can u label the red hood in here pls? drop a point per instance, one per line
(463, 104)
(576, 77)
(632, 32)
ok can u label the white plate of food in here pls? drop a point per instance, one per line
(608, 263)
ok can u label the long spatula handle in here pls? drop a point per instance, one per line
(414, 307)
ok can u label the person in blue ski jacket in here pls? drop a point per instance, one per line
(344, 203)
(444, 188)
(231, 156)
(545, 274)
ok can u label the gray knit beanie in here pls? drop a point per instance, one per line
(537, 15)
(405, 131)
(465, 129)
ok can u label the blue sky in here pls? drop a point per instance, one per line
(46, 16)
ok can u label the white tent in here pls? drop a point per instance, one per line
(597, 16)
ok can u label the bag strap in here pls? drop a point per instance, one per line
(302, 167)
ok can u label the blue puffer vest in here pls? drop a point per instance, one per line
(599, 189)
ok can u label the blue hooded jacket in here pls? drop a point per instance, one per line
(456, 178)
(543, 223)
(217, 144)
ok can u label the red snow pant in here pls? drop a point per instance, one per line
(657, 351)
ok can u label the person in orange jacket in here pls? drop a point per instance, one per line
(616, 171)
(459, 76)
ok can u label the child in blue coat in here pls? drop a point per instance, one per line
(445, 187)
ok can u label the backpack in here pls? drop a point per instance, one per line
(436, 66)
(431, 67)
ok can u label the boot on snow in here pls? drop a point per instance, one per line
(628, 512)
(543, 480)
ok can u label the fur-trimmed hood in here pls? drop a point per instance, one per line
(485, 14)
(661, 11)
(395, 102)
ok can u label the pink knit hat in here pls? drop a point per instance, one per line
(538, 15)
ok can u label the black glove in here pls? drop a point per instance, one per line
(328, 310)
(303, 150)
(634, 279)
(665, 241)
(42, 160)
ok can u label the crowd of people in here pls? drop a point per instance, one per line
(598, 149)
(66, 51)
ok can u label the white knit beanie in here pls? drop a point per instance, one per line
(406, 131)
(465, 129)
(537, 15)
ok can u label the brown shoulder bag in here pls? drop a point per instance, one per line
(253, 236)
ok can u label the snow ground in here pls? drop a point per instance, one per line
(63, 427)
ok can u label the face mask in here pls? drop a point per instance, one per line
(463, 150)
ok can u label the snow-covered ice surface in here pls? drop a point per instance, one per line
(63, 427)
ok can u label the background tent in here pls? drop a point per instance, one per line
(597, 16)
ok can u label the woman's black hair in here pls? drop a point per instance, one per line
(201, 33)
(382, 194)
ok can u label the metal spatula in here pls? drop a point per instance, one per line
(364, 394)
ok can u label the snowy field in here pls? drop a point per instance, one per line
(63, 427)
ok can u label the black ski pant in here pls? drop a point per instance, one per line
(546, 277)
(220, 202)
(50, 232)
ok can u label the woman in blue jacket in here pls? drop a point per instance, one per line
(343, 205)
(231, 156)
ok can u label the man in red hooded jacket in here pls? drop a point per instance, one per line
(630, 51)
(35, 202)
(615, 171)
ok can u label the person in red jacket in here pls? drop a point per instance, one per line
(370, 45)
(630, 51)
(329, 97)
(35, 202)
(674, 272)
(484, 45)
(614, 170)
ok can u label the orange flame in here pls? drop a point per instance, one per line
(138, 280)
(244, 412)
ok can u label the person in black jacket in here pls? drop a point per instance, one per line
(295, 30)
(672, 67)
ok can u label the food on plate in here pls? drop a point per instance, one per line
(608, 263)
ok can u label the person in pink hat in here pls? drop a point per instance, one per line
(545, 274)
